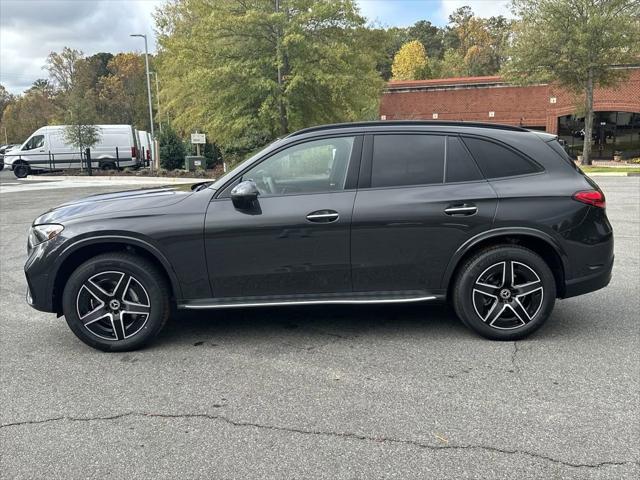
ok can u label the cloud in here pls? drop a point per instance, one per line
(31, 29)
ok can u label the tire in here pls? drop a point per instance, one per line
(21, 170)
(116, 302)
(108, 165)
(1, 166)
(500, 309)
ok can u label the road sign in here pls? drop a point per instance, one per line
(198, 138)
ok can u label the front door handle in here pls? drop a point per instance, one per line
(465, 209)
(323, 216)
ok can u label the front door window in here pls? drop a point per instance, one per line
(312, 167)
(37, 141)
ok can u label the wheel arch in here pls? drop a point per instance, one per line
(82, 251)
(539, 242)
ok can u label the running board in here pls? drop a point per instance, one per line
(279, 302)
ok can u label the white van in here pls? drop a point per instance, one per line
(147, 147)
(46, 149)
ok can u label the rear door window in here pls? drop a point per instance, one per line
(496, 161)
(460, 166)
(407, 160)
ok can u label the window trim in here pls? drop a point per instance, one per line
(524, 156)
(353, 166)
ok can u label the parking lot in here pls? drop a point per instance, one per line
(323, 392)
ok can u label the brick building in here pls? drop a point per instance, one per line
(544, 106)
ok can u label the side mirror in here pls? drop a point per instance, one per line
(245, 194)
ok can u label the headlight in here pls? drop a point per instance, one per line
(42, 233)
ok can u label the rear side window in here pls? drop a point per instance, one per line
(460, 165)
(556, 147)
(407, 160)
(497, 161)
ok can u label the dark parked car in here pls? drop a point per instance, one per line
(495, 219)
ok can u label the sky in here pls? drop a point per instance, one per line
(30, 29)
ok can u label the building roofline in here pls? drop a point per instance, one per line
(464, 82)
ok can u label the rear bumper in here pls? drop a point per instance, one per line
(589, 283)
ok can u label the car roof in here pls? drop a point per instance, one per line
(420, 125)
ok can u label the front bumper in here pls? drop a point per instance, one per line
(39, 287)
(589, 283)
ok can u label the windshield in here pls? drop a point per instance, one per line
(234, 171)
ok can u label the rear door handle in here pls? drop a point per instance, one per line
(323, 216)
(465, 209)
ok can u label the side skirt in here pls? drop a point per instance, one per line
(350, 299)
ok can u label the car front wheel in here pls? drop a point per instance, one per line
(21, 170)
(116, 302)
(505, 292)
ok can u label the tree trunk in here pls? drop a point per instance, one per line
(282, 110)
(588, 120)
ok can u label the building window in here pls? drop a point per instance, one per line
(612, 132)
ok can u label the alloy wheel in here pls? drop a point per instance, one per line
(508, 295)
(113, 305)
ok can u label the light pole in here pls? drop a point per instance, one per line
(155, 74)
(146, 63)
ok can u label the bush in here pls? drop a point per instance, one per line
(172, 151)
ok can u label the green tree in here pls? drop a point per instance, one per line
(247, 72)
(410, 63)
(575, 43)
(428, 35)
(172, 149)
(451, 65)
(80, 130)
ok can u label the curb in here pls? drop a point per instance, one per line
(115, 179)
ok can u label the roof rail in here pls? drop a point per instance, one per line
(434, 123)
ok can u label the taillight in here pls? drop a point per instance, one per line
(134, 152)
(591, 197)
(148, 154)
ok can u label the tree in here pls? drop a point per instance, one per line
(247, 72)
(452, 65)
(80, 130)
(410, 63)
(575, 43)
(122, 93)
(62, 67)
(172, 150)
(428, 35)
(24, 114)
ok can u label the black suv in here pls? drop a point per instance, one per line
(495, 219)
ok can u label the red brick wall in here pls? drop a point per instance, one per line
(528, 106)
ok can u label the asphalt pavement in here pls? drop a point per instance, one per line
(324, 392)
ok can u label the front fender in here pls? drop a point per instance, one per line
(143, 243)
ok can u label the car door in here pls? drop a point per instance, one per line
(295, 240)
(420, 197)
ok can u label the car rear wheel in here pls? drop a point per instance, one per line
(505, 292)
(21, 170)
(116, 302)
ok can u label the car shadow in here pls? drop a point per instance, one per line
(312, 322)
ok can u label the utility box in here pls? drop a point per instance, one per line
(194, 162)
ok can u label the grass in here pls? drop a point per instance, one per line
(626, 169)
